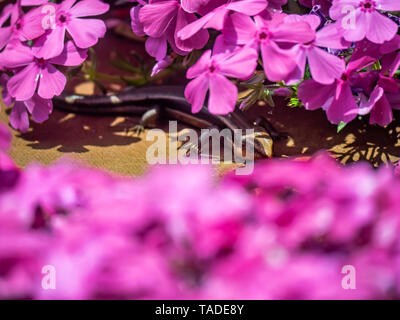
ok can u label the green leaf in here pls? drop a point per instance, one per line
(294, 102)
(268, 98)
(124, 65)
(341, 126)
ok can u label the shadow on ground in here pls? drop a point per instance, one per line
(309, 132)
(73, 133)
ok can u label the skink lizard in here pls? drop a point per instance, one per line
(159, 101)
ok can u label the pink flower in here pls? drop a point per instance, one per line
(37, 73)
(386, 52)
(162, 65)
(336, 99)
(378, 88)
(378, 104)
(21, 255)
(193, 5)
(161, 20)
(38, 107)
(267, 35)
(363, 18)
(22, 26)
(283, 232)
(9, 172)
(220, 214)
(137, 26)
(324, 67)
(68, 17)
(216, 18)
(210, 73)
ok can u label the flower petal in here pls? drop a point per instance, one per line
(239, 29)
(39, 108)
(366, 105)
(337, 10)
(70, 56)
(325, 67)
(137, 26)
(87, 8)
(157, 17)
(157, 47)
(192, 5)
(66, 5)
(344, 107)
(298, 72)
(19, 117)
(86, 32)
(197, 41)
(330, 36)
(5, 34)
(52, 82)
(314, 95)
(16, 55)
(200, 66)
(223, 95)
(382, 113)
(356, 32)
(240, 64)
(23, 84)
(214, 18)
(195, 92)
(51, 44)
(381, 28)
(32, 24)
(249, 7)
(388, 5)
(297, 32)
(278, 63)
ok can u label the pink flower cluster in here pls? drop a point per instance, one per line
(34, 42)
(284, 232)
(286, 43)
(343, 57)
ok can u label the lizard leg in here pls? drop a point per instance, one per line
(149, 120)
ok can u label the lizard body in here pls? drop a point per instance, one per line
(163, 101)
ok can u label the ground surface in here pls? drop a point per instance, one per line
(103, 142)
